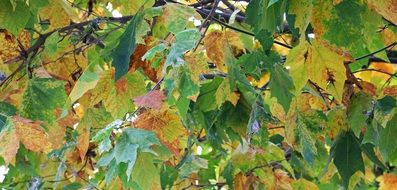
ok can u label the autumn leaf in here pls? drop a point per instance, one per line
(32, 135)
(167, 126)
(9, 145)
(216, 41)
(153, 99)
(387, 181)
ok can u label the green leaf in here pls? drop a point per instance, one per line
(388, 143)
(12, 19)
(168, 175)
(207, 98)
(176, 17)
(72, 186)
(368, 149)
(357, 112)
(6, 110)
(353, 26)
(149, 55)
(261, 16)
(306, 141)
(281, 85)
(185, 41)
(42, 97)
(121, 54)
(347, 156)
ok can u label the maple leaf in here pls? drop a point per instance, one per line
(320, 64)
(153, 99)
(32, 135)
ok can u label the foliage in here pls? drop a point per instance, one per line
(246, 94)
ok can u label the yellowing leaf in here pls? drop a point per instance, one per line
(10, 48)
(32, 135)
(56, 14)
(9, 145)
(387, 8)
(153, 99)
(215, 43)
(319, 63)
(387, 182)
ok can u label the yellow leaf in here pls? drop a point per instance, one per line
(303, 184)
(32, 135)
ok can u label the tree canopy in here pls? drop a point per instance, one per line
(198, 94)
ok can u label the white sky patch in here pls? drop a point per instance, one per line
(199, 150)
(195, 21)
(3, 172)
(311, 35)
(115, 12)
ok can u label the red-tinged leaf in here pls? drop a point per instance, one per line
(32, 135)
(153, 99)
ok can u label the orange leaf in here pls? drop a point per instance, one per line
(32, 135)
(152, 99)
(387, 182)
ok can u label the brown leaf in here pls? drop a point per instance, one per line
(83, 140)
(32, 135)
(391, 91)
(9, 145)
(152, 99)
(368, 88)
(136, 60)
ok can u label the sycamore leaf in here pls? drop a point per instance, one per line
(153, 99)
(31, 134)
